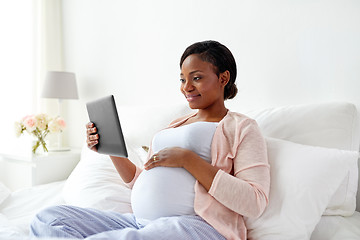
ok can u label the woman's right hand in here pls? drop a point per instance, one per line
(92, 138)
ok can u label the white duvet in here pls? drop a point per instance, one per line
(20, 207)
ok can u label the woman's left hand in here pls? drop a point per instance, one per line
(178, 157)
(169, 157)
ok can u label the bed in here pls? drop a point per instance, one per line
(313, 151)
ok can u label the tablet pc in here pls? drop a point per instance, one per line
(103, 113)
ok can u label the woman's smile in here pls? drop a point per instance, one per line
(192, 97)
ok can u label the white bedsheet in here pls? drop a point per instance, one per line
(20, 207)
(337, 227)
(18, 210)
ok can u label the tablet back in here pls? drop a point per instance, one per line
(103, 113)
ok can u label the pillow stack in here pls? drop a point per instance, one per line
(314, 168)
(303, 181)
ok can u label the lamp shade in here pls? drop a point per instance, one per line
(60, 85)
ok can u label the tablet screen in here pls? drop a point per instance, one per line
(103, 113)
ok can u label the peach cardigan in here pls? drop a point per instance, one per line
(242, 183)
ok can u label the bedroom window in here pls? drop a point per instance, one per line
(17, 96)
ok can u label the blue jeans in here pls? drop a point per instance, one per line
(75, 222)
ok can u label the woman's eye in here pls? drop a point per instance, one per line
(196, 78)
(182, 80)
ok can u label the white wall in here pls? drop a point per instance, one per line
(288, 52)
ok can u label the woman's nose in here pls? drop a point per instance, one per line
(187, 86)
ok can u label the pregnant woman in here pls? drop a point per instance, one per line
(204, 174)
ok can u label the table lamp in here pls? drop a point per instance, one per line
(60, 85)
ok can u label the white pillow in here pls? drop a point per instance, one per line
(140, 123)
(343, 202)
(303, 180)
(4, 193)
(332, 125)
(95, 183)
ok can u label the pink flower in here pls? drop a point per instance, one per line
(23, 119)
(57, 125)
(29, 123)
(61, 123)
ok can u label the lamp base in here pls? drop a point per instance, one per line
(59, 146)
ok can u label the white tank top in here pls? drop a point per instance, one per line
(165, 191)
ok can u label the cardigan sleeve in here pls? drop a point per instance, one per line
(246, 191)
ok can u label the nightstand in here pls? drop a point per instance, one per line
(18, 172)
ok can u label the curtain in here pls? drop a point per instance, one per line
(30, 45)
(49, 46)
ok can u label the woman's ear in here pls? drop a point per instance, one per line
(224, 78)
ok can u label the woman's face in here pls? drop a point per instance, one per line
(200, 85)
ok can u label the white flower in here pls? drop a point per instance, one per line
(54, 127)
(18, 129)
(42, 121)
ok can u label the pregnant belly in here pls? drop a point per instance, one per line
(163, 192)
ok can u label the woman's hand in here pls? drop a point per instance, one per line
(92, 138)
(202, 171)
(170, 157)
(124, 166)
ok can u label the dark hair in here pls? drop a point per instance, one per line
(219, 56)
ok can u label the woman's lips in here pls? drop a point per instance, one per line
(191, 98)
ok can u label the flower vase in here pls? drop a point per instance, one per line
(39, 126)
(39, 147)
